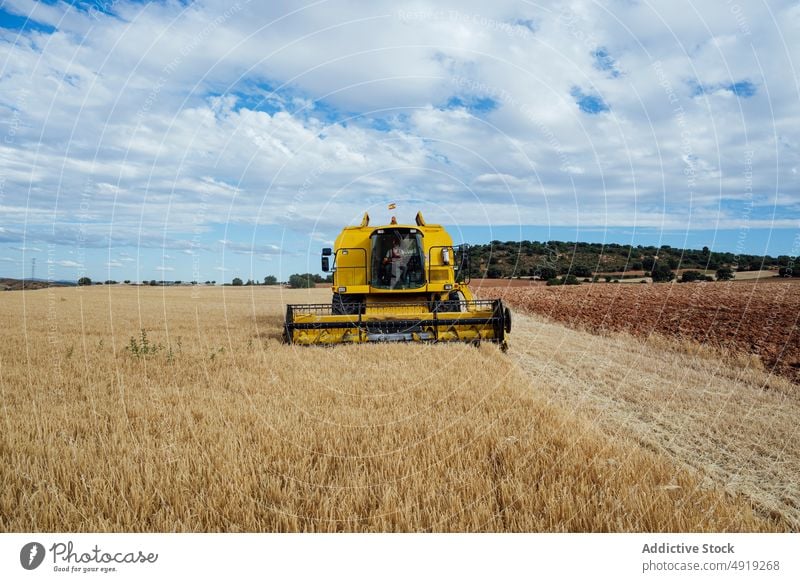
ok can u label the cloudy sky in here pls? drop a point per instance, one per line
(212, 139)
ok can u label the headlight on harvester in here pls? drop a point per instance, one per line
(342, 290)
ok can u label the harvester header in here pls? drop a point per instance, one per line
(397, 282)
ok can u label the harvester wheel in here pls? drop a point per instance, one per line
(508, 320)
(287, 333)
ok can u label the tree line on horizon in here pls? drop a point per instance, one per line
(567, 262)
(301, 280)
(547, 260)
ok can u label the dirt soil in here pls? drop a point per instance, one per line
(738, 317)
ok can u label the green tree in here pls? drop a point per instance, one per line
(546, 273)
(662, 273)
(493, 273)
(689, 276)
(303, 281)
(581, 271)
(724, 274)
(237, 282)
(84, 281)
(270, 280)
(648, 263)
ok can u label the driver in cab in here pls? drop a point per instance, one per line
(397, 258)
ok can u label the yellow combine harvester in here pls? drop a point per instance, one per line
(398, 282)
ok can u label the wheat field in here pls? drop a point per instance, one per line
(177, 409)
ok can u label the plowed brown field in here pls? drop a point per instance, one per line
(739, 317)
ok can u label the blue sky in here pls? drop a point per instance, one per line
(207, 140)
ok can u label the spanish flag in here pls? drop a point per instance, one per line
(392, 206)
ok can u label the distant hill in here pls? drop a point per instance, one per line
(7, 284)
(528, 259)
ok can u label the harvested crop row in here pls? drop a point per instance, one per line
(739, 317)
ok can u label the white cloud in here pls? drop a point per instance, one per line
(250, 249)
(69, 264)
(169, 117)
(164, 269)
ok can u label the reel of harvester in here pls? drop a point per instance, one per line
(457, 321)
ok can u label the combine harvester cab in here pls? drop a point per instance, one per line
(398, 283)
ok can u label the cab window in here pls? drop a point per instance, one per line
(398, 259)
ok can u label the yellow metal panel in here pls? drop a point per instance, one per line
(440, 275)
